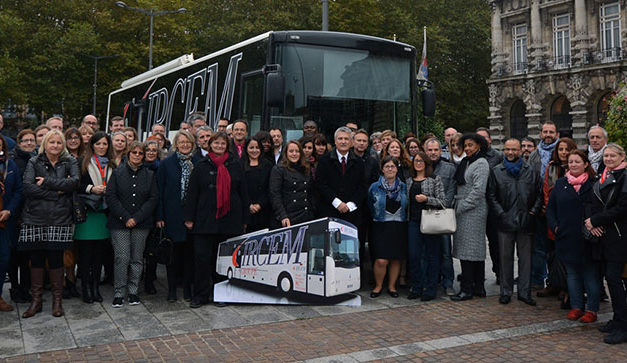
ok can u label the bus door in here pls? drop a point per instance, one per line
(251, 99)
(316, 264)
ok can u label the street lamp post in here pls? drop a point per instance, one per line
(96, 58)
(151, 13)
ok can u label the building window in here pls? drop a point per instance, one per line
(561, 40)
(517, 120)
(560, 114)
(519, 34)
(610, 31)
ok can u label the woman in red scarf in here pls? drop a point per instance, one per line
(565, 213)
(216, 209)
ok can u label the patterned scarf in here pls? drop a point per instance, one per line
(595, 157)
(223, 185)
(576, 181)
(185, 161)
(392, 192)
(545, 152)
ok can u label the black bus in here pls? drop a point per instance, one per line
(281, 79)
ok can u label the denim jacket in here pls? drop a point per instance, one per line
(376, 201)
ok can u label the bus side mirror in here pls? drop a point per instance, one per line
(275, 85)
(428, 102)
(338, 236)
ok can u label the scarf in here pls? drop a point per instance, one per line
(607, 171)
(461, 169)
(392, 192)
(595, 157)
(223, 185)
(576, 181)
(457, 159)
(513, 167)
(545, 152)
(103, 160)
(185, 161)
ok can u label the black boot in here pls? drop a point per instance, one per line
(72, 288)
(86, 291)
(171, 284)
(95, 285)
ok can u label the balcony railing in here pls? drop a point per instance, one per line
(611, 54)
(561, 62)
(520, 68)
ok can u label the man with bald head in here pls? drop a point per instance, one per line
(448, 133)
(597, 140)
(91, 121)
(55, 123)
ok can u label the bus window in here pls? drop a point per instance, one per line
(345, 253)
(252, 100)
(315, 265)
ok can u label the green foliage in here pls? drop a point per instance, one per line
(42, 61)
(616, 123)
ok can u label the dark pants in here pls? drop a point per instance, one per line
(205, 249)
(90, 255)
(181, 270)
(616, 285)
(539, 260)
(38, 259)
(19, 273)
(493, 243)
(423, 260)
(524, 246)
(473, 275)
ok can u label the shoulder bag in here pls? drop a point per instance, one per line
(438, 221)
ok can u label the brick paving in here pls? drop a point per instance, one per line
(328, 336)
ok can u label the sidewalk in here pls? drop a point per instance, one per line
(381, 328)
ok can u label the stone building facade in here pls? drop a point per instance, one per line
(554, 60)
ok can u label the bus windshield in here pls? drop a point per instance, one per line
(346, 253)
(337, 85)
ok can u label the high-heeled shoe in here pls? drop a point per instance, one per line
(375, 294)
(393, 294)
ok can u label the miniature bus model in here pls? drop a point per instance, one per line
(280, 79)
(320, 258)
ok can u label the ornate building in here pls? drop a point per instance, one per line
(554, 60)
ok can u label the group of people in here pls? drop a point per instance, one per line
(556, 205)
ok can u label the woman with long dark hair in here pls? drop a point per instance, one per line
(47, 226)
(216, 209)
(92, 236)
(74, 141)
(257, 172)
(471, 212)
(265, 141)
(291, 188)
(395, 149)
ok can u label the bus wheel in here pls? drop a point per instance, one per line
(285, 283)
(229, 274)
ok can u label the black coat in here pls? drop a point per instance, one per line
(201, 202)
(609, 210)
(233, 151)
(565, 212)
(20, 157)
(372, 170)
(291, 195)
(51, 203)
(170, 206)
(513, 199)
(257, 180)
(350, 187)
(494, 157)
(131, 194)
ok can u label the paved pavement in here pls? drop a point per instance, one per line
(382, 328)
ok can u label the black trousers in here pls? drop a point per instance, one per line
(493, 243)
(181, 270)
(19, 273)
(38, 259)
(616, 285)
(205, 250)
(473, 275)
(90, 255)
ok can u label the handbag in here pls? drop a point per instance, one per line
(92, 201)
(438, 221)
(159, 247)
(79, 211)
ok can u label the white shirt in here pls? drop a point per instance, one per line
(337, 201)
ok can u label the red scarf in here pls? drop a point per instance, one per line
(223, 185)
(576, 181)
(607, 170)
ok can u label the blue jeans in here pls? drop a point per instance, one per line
(538, 260)
(583, 275)
(446, 262)
(424, 260)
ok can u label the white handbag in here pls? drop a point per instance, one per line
(438, 221)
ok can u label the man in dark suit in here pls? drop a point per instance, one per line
(341, 181)
(238, 142)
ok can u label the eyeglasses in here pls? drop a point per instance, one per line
(151, 150)
(418, 161)
(389, 167)
(74, 138)
(28, 140)
(137, 152)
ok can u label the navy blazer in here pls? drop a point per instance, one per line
(170, 207)
(565, 212)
